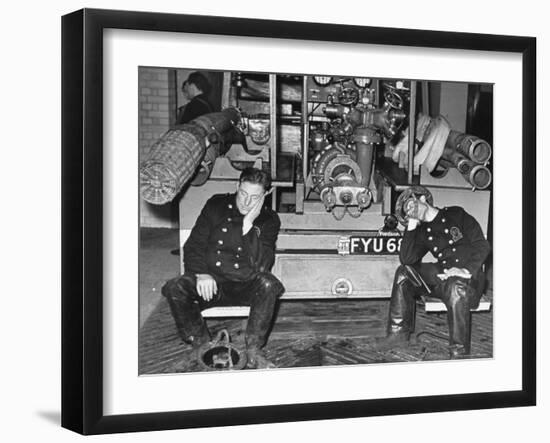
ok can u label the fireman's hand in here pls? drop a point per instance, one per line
(455, 272)
(248, 220)
(412, 224)
(206, 286)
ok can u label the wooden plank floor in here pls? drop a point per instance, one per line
(314, 333)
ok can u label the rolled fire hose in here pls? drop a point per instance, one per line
(176, 156)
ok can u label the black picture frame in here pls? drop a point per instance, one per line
(82, 219)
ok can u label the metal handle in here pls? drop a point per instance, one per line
(222, 337)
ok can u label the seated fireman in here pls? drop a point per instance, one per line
(227, 259)
(455, 239)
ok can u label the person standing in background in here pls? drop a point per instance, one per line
(195, 89)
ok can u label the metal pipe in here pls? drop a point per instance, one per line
(458, 160)
(365, 155)
(365, 138)
(412, 131)
(478, 176)
(475, 148)
(305, 129)
(273, 123)
(425, 98)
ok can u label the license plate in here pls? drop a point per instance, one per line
(370, 245)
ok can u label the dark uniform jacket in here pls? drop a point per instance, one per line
(199, 105)
(453, 237)
(217, 246)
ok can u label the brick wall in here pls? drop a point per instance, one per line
(157, 111)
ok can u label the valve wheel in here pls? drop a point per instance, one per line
(393, 99)
(348, 96)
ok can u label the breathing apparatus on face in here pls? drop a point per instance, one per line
(413, 207)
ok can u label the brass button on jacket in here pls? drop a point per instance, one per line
(453, 234)
(239, 256)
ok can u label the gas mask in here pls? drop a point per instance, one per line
(412, 207)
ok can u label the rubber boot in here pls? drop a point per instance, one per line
(181, 296)
(256, 359)
(401, 314)
(265, 289)
(457, 293)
